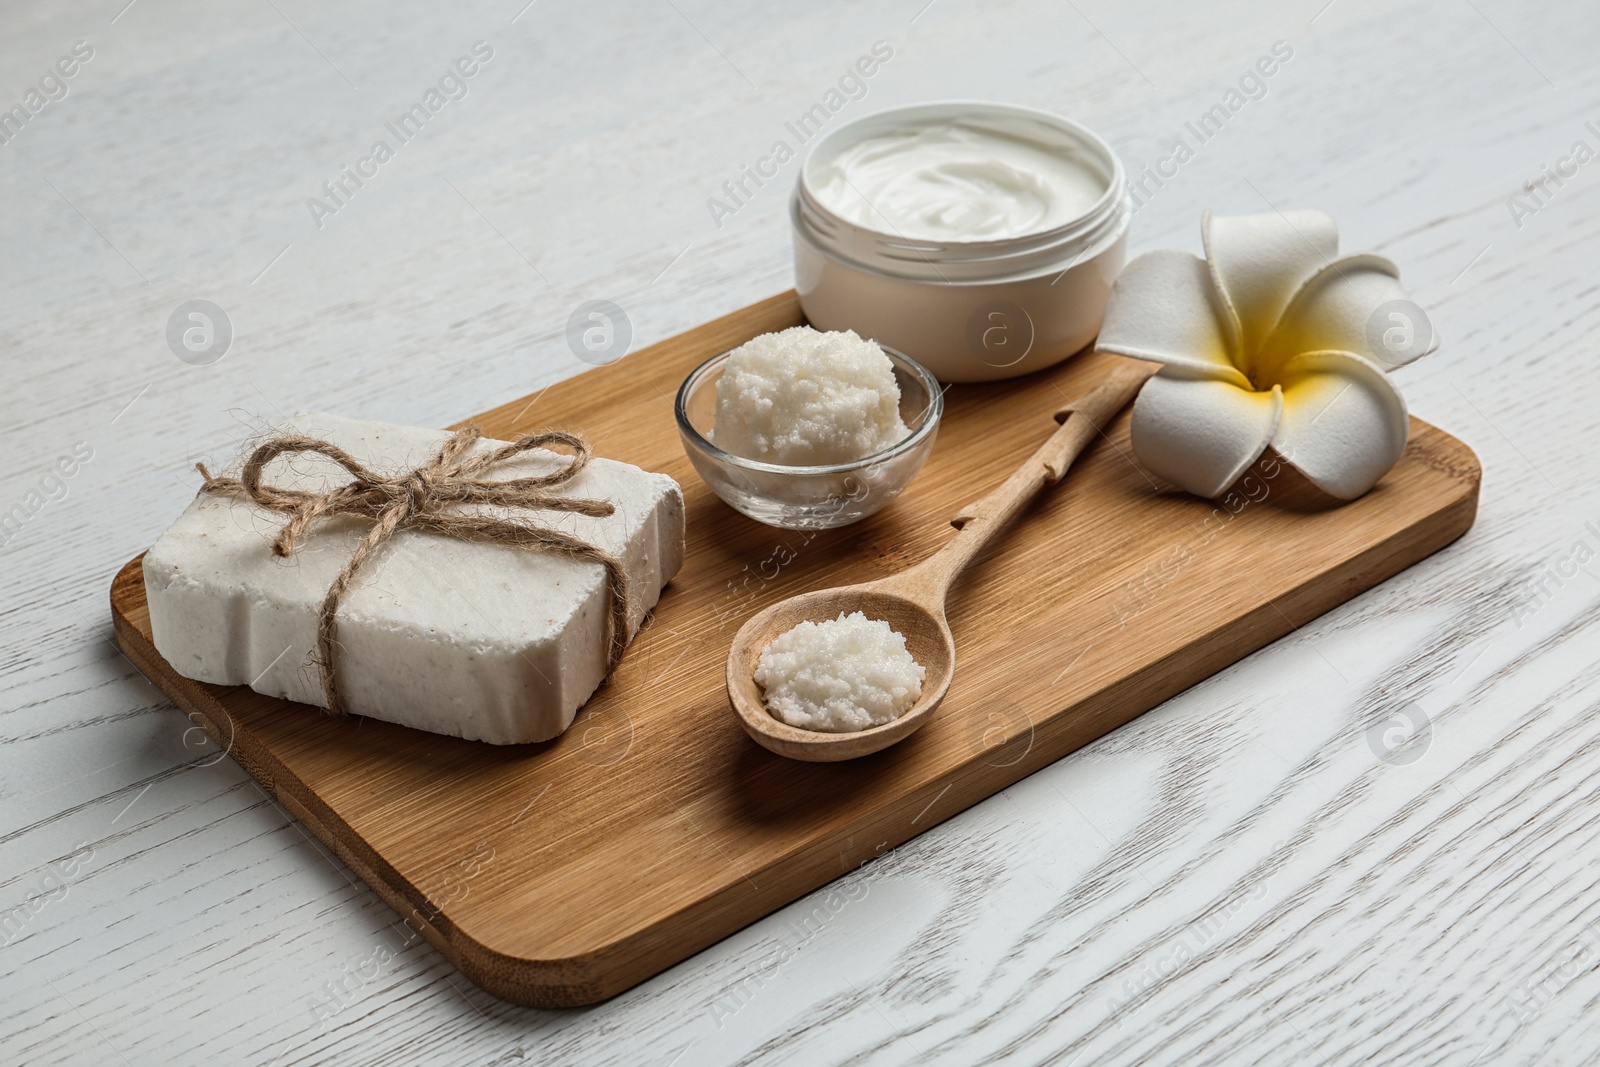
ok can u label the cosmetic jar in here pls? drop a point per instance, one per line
(981, 239)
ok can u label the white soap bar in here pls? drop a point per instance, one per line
(474, 640)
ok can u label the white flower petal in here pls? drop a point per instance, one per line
(1348, 306)
(1163, 308)
(1258, 262)
(1344, 423)
(1201, 435)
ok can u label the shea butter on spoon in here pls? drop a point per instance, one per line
(839, 675)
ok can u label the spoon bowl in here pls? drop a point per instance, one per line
(928, 639)
(912, 602)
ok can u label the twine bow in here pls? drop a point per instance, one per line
(426, 499)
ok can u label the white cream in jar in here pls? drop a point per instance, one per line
(980, 239)
(957, 181)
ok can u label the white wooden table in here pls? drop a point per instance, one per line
(1245, 875)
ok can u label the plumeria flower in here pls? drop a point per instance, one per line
(1268, 341)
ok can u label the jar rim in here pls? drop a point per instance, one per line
(889, 252)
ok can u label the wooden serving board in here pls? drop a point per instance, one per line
(562, 873)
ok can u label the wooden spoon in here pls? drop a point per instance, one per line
(913, 601)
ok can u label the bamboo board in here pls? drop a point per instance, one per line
(565, 872)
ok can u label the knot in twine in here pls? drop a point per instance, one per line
(426, 499)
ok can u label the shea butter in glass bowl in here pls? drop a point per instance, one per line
(810, 497)
(983, 237)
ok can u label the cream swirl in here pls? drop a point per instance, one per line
(957, 181)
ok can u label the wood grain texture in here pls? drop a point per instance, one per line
(1234, 877)
(655, 827)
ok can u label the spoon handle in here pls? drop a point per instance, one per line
(980, 522)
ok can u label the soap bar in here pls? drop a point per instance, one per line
(481, 641)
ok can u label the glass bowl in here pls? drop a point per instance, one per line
(810, 498)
